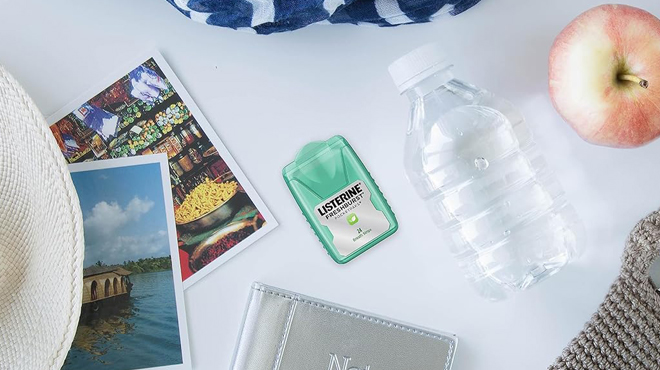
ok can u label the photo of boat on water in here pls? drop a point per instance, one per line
(132, 314)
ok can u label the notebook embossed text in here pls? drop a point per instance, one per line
(288, 331)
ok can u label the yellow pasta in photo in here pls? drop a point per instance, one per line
(206, 197)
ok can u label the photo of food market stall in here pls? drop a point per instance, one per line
(141, 114)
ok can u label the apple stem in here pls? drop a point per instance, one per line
(632, 78)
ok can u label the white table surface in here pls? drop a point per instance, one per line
(268, 95)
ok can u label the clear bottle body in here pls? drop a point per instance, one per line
(471, 157)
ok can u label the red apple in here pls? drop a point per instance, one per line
(605, 76)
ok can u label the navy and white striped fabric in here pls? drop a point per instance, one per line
(268, 16)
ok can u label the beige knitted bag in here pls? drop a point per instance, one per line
(625, 332)
(41, 239)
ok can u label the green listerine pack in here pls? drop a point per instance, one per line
(339, 198)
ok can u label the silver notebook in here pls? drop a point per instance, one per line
(289, 331)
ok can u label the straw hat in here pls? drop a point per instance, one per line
(41, 239)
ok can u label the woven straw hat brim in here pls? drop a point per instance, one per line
(41, 239)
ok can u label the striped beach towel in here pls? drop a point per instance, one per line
(268, 16)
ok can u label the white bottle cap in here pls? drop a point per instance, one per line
(418, 65)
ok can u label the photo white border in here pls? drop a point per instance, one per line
(161, 160)
(270, 224)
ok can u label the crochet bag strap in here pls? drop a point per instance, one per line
(625, 331)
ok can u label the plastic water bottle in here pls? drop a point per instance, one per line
(472, 159)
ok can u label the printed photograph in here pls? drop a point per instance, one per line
(133, 316)
(146, 111)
